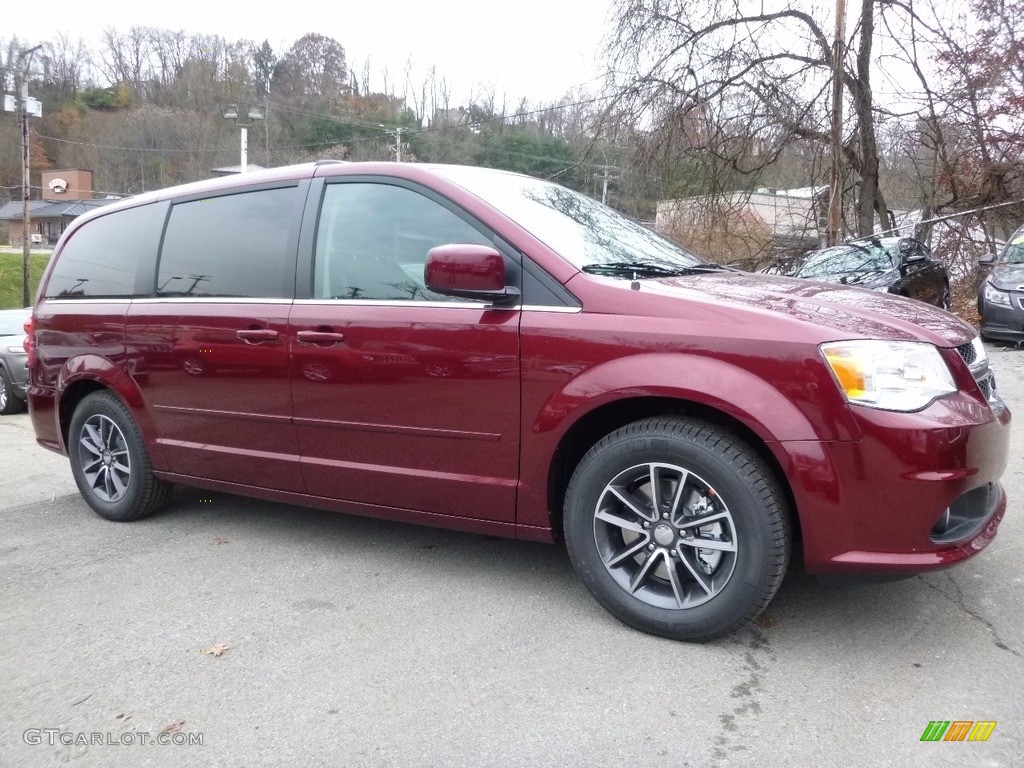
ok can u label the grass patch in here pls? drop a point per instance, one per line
(10, 277)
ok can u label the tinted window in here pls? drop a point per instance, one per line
(101, 257)
(229, 246)
(372, 242)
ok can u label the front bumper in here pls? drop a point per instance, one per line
(919, 491)
(17, 368)
(1002, 322)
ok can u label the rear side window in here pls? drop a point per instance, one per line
(229, 246)
(101, 258)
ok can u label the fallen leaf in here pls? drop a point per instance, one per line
(173, 727)
(217, 650)
(219, 540)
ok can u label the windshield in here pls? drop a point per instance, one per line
(582, 230)
(1013, 253)
(847, 259)
(13, 323)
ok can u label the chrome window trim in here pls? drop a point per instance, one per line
(208, 300)
(477, 305)
(393, 303)
(120, 300)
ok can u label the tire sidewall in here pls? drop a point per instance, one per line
(125, 508)
(746, 586)
(6, 395)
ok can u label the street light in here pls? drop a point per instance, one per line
(252, 114)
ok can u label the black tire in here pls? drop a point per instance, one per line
(9, 402)
(110, 463)
(682, 591)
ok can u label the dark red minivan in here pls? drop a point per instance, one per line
(481, 350)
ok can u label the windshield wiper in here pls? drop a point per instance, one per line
(635, 270)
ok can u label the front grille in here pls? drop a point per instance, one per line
(973, 354)
(987, 386)
(968, 353)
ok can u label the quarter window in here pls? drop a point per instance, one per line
(372, 242)
(228, 246)
(100, 259)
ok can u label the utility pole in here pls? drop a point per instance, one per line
(26, 189)
(605, 178)
(397, 133)
(835, 198)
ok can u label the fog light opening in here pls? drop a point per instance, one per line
(965, 516)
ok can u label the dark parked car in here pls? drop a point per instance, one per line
(481, 350)
(899, 265)
(1001, 296)
(13, 359)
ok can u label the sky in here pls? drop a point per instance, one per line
(533, 49)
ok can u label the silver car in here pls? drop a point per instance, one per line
(13, 359)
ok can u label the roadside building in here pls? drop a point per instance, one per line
(66, 195)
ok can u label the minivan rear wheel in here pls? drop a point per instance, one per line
(110, 463)
(677, 528)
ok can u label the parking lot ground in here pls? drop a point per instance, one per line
(358, 642)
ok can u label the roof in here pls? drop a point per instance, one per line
(229, 169)
(44, 209)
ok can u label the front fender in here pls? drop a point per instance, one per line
(803, 405)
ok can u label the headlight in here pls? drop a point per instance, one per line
(891, 375)
(995, 296)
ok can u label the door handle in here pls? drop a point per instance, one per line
(320, 338)
(256, 335)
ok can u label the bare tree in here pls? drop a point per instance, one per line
(762, 75)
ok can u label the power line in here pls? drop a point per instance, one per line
(125, 149)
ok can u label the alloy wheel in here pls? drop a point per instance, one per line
(665, 536)
(105, 460)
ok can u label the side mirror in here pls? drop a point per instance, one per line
(987, 261)
(468, 271)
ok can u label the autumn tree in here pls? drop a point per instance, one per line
(313, 72)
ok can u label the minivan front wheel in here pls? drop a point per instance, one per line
(110, 463)
(677, 528)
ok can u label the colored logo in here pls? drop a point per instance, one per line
(958, 730)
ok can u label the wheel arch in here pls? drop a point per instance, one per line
(606, 418)
(83, 376)
(75, 392)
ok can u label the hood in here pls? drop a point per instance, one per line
(1008, 277)
(846, 312)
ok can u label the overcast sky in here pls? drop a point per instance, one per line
(536, 49)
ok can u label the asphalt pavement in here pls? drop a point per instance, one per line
(357, 642)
